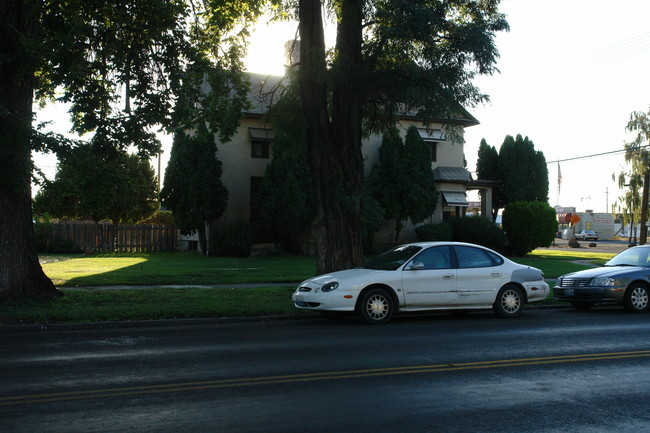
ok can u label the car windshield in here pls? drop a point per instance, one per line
(393, 259)
(631, 257)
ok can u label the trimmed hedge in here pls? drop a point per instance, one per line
(473, 229)
(478, 230)
(528, 225)
(434, 232)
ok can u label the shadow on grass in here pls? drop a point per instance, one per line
(178, 268)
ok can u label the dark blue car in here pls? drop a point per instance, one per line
(625, 279)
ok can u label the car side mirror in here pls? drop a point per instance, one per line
(414, 266)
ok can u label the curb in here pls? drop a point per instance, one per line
(125, 324)
(138, 324)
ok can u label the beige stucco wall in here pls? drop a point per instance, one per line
(238, 168)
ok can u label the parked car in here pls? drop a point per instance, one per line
(625, 279)
(426, 276)
(587, 235)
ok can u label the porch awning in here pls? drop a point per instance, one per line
(454, 198)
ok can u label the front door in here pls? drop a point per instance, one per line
(479, 277)
(429, 281)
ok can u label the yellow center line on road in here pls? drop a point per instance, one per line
(309, 377)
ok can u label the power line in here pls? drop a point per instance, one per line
(592, 156)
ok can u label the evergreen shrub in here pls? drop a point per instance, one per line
(528, 225)
(231, 240)
(478, 230)
(434, 232)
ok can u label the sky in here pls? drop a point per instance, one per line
(571, 72)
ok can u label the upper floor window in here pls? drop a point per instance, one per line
(432, 137)
(261, 140)
(260, 149)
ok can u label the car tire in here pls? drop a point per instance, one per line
(376, 307)
(637, 298)
(582, 306)
(509, 302)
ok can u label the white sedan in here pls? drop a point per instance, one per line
(422, 277)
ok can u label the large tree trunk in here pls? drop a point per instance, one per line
(21, 275)
(334, 143)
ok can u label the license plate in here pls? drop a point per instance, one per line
(568, 292)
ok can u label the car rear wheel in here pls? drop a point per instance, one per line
(637, 298)
(376, 307)
(578, 305)
(509, 302)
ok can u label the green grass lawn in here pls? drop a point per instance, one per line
(80, 306)
(153, 269)
(173, 268)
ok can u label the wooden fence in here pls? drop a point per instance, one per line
(129, 238)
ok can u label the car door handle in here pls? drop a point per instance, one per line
(496, 274)
(448, 276)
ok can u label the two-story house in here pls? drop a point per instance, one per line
(246, 156)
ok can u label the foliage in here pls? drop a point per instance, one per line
(637, 154)
(287, 198)
(193, 189)
(478, 230)
(528, 225)
(522, 171)
(121, 68)
(402, 182)
(231, 240)
(98, 183)
(630, 202)
(435, 232)
(487, 168)
(390, 57)
(372, 217)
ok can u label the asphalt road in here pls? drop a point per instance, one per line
(552, 370)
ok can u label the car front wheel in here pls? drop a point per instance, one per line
(637, 298)
(509, 302)
(376, 307)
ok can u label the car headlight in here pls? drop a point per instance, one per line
(330, 286)
(558, 282)
(602, 282)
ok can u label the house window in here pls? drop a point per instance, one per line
(432, 137)
(261, 140)
(260, 149)
(256, 198)
(434, 151)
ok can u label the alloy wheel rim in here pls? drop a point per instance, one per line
(510, 301)
(639, 298)
(377, 307)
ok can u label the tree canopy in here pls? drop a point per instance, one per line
(124, 65)
(121, 66)
(287, 178)
(402, 182)
(390, 57)
(520, 168)
(99, 183)
(636, 153)
(487, 168)
(193, 190)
